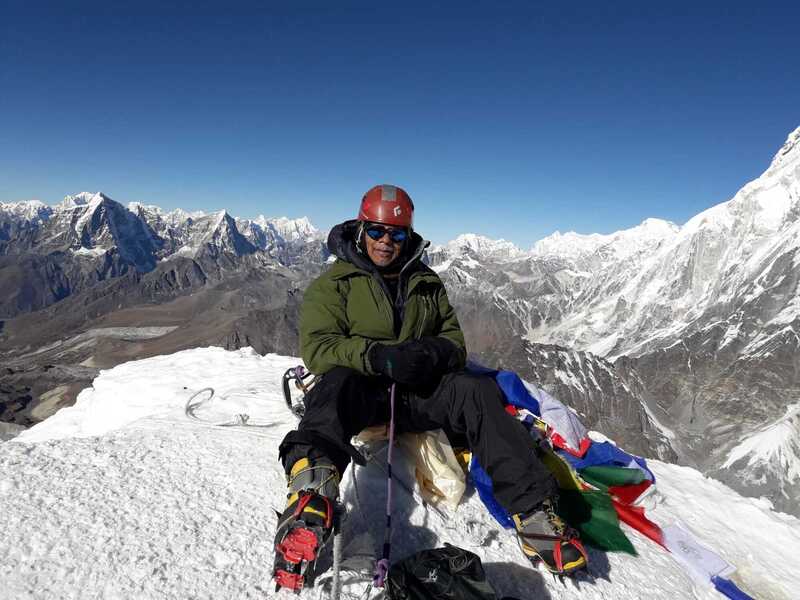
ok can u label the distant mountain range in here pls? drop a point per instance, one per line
(682, 339)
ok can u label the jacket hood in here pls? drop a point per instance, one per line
(342, 244)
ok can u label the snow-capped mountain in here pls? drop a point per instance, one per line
(647, 287)
(171, 227)
(618, 246)
(153, 213)
(27, 211)
(707, 314)
(557, 279)
(85, 240)
(18, 217)
(124, 495)
(768, 459)
(261, 234)
(89, 237)
(728, 259)
(91, 223)
(292, 230)
(214, 235)
(88, 224)
(477, 247)
(291, 241)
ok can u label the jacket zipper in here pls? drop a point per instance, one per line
(402, 287)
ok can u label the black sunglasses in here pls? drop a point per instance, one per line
(376, 232)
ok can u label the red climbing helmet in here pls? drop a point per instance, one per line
(387, 204)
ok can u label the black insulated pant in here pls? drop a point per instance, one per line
(468, 407)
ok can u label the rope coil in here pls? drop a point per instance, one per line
(237, 420)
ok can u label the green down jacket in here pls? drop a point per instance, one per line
(347, 308)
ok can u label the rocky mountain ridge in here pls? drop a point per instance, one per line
(49, 253)
(91, 223)
(646, 287)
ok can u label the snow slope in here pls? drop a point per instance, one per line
(123, 496)
(27, 210)
(777, 445)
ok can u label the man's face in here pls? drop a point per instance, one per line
(384, 250)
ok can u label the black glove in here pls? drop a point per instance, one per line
(443, 353)
(414, 362)
(402, 363)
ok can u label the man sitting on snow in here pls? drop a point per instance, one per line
(380, 316)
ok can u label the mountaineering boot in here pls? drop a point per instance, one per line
(545, 538)
(307, 523)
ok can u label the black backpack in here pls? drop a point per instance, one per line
(448, 573)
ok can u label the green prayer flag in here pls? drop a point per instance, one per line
(592, 513)
(605, 477)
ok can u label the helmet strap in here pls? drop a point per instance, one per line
(360, 237)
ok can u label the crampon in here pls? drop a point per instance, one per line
(304, 530)
(545, 538)
(567, 557)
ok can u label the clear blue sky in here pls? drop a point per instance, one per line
(509, 119)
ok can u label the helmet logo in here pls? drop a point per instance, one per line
(397, 211)
(388, 193)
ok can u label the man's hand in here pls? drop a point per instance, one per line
(414, 362)
(404, 363)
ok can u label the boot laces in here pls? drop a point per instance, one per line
(331, 474)
(318, 486)
(556, 522)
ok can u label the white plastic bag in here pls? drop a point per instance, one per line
(439, 475)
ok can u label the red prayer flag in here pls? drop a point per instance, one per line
(629, 494)
(634, 517)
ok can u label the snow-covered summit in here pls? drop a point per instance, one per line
(88, 211)
(173, 217)
(26, 210)
(289, 229)
(790, 151)
(771, 453)
(652, 284)
(178, 216)
(79, 492)
(292, 230)
(80, 199)
(91, 223)
(763, 206)
(570, 245)
(571, 241)
(284, 239)
(475, 247)
(15, 216)
(648, 234)
(215, 234)
(87, 225)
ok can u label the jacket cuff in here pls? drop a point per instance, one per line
(367, 363)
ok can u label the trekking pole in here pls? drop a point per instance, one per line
(336, 587)
(382, 566)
